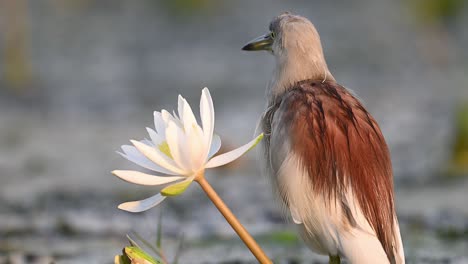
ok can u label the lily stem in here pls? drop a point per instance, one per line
(233, 221)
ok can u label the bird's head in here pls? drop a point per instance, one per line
(287, 32)
(295, 43)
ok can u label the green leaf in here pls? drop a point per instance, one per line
(177, 188)
(148, 244)
(138, 256)
(132, 242)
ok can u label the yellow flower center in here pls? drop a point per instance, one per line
(164, 148)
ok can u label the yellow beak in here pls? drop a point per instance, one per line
(263, 42)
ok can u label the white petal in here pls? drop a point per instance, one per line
(180, 107)
(159, 124)
(141, 178)
(207, 117)
(233, 154)
(175, 115)
(176, 141)
(133, 155)
(143, 205)
(215, 145)
(147, 142)
(189, 119)
(168, 117)
(196, 147)
(157, 139)
(158, 157)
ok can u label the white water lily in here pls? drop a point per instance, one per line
(180, 149)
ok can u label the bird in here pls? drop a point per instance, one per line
(327, 158)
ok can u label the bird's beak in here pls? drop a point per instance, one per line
(263, 42)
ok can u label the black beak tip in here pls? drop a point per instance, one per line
(247, 47)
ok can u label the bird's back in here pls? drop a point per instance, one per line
(332, 169)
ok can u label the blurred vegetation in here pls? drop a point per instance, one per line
(451, 234)
(284, 238)
(15, 33)
(434, 11)
(135, 253)
(460, 144)
(436, 20)
(188, 7)
(17, 68)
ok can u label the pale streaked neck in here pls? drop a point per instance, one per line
(295, 67)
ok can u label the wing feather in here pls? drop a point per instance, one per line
(340, 148)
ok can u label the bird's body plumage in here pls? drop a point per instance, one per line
(326, 155)
(331, 168)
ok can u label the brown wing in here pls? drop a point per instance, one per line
(341, 146)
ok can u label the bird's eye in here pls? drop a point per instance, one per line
(272, 35)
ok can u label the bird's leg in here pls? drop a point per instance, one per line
(334, 260)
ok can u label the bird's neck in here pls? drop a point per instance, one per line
(295, 67)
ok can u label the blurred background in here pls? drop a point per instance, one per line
(79, 78)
